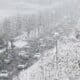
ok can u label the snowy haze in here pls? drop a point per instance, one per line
(35, 34)
(13, 7)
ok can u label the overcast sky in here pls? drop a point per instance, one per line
(12, 7)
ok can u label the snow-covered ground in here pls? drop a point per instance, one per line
(48, 68)
(34, 72)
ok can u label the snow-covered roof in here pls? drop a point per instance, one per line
(20, 43)
(23, 36)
